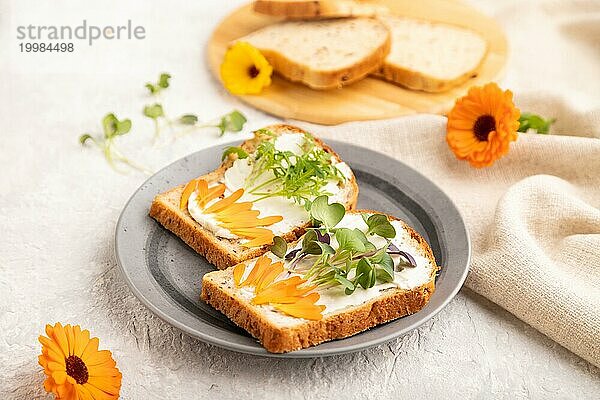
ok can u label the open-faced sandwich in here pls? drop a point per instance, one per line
(351, 271)
(261, 190)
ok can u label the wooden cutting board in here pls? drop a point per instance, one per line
(370, 98)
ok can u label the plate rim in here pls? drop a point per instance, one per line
(313, 351)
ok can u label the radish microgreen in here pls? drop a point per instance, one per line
(112, 128)
(279, 247)
(356, 262)
(230, 122)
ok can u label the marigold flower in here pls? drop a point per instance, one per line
(482, 124)
(245, 70)
(75, 368)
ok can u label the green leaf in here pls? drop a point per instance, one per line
(310, 243)
(232, 122)
(279, 247)
(163, 83)
(154, 111)
(535, 122)
(151, 88)
(384, 261)
(349, 240)
(241, 153)
(163, 80)
(379, 225)
(188, 119)
(109, 125)
(85, 137)
(368, 245)
(325, 248)
(123, 127)
(327, 214)
(365, 273)
(342, 280)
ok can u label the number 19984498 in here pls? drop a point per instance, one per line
(46, 47)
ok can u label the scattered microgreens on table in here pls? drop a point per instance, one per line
(534, 122)
(112, 128)
(356, 262)
(300, 177)
(231, 122)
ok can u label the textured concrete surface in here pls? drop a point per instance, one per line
(59, 206)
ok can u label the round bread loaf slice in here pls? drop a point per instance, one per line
(310, 9)
(342, 317)
(429, 56)
(323, 54)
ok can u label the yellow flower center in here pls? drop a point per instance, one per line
(77, 369)
(253, 71)
(483, 126)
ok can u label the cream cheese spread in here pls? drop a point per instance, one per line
(293, 213)
(334, 299)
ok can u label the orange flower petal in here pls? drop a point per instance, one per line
(260, 240)
(238, 273)
(223, 203)
(187, 192)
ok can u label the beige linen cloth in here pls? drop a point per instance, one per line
(533, 219)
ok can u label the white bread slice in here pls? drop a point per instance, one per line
(311, 9)
(324, 54)
(280, 333)
(219, 251)
(429, 56)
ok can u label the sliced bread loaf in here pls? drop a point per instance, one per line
(429, 56)
(342, 314)
(310, 9)
(323, 54)
(225, 251)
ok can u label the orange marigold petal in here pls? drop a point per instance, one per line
(304, 308)
(187, 192)
(261, 263)
(238, 273)
(223, 203)
(260, 240)
(269, 276)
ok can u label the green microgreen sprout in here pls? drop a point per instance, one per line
(231, 122)
(162, 83)
(326, 214)
(356, 262)
(241, 153)
(279, 247)
(535, 122)
(300, 177)
(379, 225)
(112, 128)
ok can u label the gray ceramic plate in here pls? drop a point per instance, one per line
(166, 275)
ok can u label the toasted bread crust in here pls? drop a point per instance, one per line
(218, 251)
(311, 9)
(324, 80)
(419, 81)
(395, 304)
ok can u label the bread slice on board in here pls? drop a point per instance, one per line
(430, 56)
(323, 54)
(223, 252)
(310, 9)
(280, 333)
